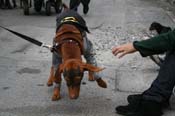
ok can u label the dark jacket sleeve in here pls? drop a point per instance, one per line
(156, 45)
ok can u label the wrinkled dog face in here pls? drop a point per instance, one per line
(73, 71)
(73, 76)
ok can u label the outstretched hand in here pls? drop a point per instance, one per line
(124, 49)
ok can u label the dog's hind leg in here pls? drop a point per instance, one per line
(51, 77)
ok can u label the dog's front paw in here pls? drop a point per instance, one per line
(56, 95)
(55, 98)
(49, 83)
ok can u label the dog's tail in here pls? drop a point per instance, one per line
(65, 7)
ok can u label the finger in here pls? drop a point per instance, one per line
(122, 54)
(118, 51)
(114, 49)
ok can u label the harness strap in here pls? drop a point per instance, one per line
(58, 45)
(68, 33)
(62, 32)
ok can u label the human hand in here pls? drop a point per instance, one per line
(124, 49)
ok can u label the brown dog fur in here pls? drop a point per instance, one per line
(72, 62)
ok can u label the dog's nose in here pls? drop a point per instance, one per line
(73, 96)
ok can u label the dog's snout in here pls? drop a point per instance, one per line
(74, 92)
(73, 96)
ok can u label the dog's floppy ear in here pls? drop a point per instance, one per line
(92, 68)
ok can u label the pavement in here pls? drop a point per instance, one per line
(24, 67)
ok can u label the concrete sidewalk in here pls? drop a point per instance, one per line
(24, 67)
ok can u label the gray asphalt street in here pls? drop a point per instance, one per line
(24, 67)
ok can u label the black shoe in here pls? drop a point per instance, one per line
(148, 108)
(9, 7)
(2, 7)
(127, 110)
(166, 104)
(132, 99)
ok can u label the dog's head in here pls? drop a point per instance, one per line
(159, 28)
(73, 71)
(155, 26)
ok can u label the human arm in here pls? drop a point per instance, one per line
(156, 45)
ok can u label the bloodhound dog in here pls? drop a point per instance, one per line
(69, 44)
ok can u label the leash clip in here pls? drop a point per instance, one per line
(46, 46)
